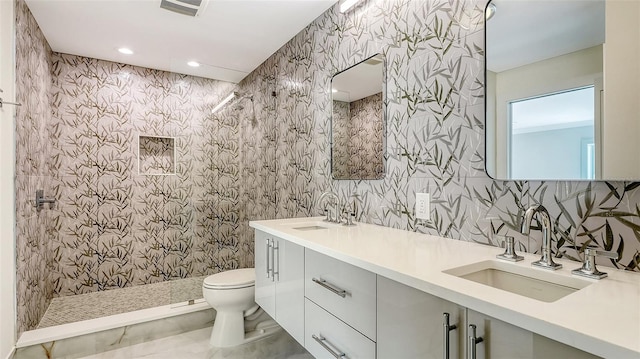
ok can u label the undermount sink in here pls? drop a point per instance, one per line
(312, 227)
(529, 282)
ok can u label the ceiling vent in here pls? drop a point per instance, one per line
(184, 7)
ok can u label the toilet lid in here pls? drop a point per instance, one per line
(237, 278)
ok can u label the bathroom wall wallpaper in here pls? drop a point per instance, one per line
(340, 157)
(33, 171)
(357, 131)
(115, 226)
(435, 144)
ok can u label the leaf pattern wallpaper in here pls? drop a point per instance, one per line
(34, 257)
(358, 138)
(268, 155)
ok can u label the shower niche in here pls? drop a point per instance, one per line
(156, 155)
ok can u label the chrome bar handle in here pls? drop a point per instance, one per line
(268, 243)
(321, 340)
(273, 259)
(276, 247)
(446, 329)
(472, 341)
(323, 283)
(3, 102)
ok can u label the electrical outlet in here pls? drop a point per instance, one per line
(423, 206)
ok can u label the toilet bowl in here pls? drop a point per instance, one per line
(231, 294)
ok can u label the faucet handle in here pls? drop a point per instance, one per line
(509, 250)
(326, 214)
(593, 252)
(349, 218)
(589, 268)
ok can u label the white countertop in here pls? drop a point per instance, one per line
(603, 318)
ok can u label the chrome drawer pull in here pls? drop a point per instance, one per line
(273, 260)
(274, 271)
(268, 242)
(447, 328)
(323, 283)
(472, 341)
(321, 340)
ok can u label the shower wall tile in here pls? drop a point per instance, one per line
(144, 226)
(33, 171)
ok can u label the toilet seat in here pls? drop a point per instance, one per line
(232, 279)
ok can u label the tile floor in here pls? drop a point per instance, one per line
(75, 308)
(195, 345)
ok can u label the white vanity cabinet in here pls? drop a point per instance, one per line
(344, 290)
(503, 340)
(340, 309)
(337, 290)
(326, 336)
(411, 323)
(279, 266)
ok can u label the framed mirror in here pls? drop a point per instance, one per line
(358, 120)
(562, 90)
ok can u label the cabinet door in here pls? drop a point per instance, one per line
(411, 325)
(357, 305)
(265, 283)
(504, 340)
(328, 337)
(289, 276)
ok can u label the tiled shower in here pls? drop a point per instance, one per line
(78, 138)
(147, 182)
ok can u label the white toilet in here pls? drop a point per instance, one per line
(231, 294)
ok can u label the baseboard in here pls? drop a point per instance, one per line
(11, 353)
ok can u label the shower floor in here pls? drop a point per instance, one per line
(64, 310)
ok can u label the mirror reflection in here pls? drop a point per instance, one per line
(357, 121)
(547, 86)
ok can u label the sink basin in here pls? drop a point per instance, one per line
(309, 228)
(310, 225)
(529, 282)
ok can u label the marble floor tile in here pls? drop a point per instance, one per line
(195, 345)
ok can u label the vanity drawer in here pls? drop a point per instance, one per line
(327, 336)
(343, 290)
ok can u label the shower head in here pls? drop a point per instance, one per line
(234, 95)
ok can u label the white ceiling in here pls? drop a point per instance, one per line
(526, 31)
(360, 81)
(230, 38)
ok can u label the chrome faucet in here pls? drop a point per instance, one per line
(335, 218)
(544, 219)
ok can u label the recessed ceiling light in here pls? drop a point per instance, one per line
(193, 63)
(126, 51)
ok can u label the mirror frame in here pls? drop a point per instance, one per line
(383, 119)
